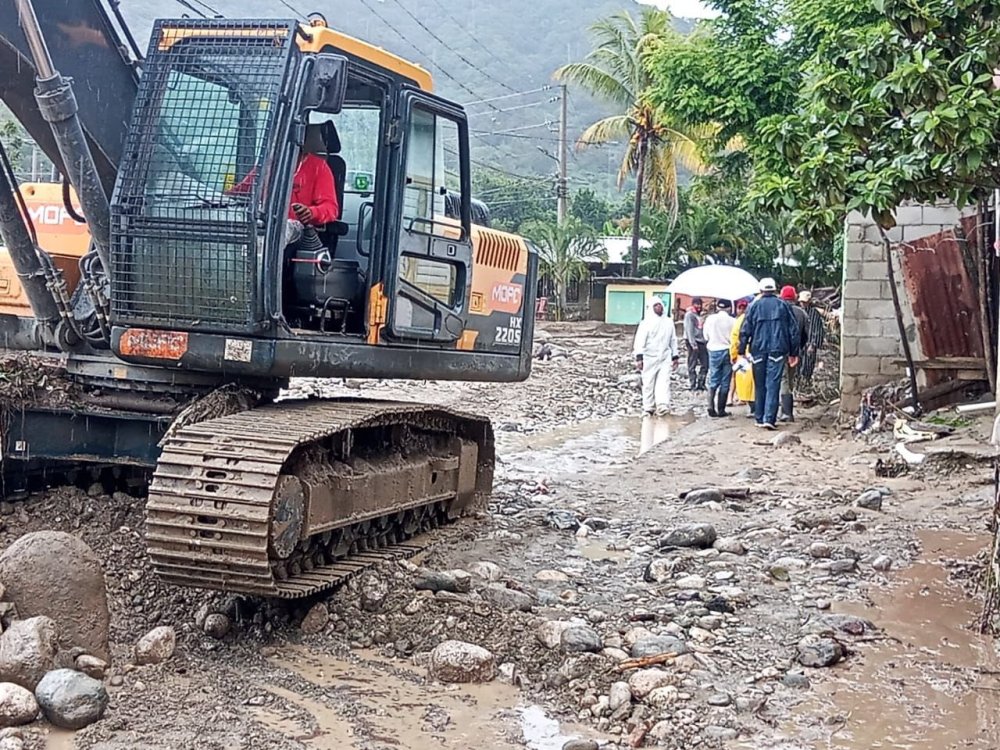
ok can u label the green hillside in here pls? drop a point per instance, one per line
(482, 50)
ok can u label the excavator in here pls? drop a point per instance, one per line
(175, 328)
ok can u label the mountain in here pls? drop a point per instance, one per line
(476, 51)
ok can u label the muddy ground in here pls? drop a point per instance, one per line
(585, 493)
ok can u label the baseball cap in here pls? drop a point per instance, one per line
(805, 296)
(768, 285)
(788, 293)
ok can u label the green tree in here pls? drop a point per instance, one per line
(617, 71)
(591, 209)
(515, 201)
(564, 250)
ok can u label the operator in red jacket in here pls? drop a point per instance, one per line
(314, 194)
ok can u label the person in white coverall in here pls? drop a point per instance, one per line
(656, 356)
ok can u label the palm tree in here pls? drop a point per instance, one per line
(563, 253)
(617, 71)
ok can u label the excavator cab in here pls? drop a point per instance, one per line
(200, 238)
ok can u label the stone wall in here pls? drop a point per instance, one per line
(871, 349)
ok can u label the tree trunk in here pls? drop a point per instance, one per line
(640, 179)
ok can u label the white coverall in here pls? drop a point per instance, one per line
(656, 341)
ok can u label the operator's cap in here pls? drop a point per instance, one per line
(768, 285)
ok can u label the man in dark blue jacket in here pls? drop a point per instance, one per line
(771, 333)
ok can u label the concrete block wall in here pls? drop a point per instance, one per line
(870, 333)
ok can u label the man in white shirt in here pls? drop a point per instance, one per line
(656, 356)
(718, 334)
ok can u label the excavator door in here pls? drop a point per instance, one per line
(429, 276)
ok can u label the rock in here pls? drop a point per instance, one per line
(654, 645)
(870, 500)
(659, 570)
(644, 681)
(71, 700)
(578, 639)
(551, 576)
(17, 705)
(815, 651)
(316, 619)
(823, 604)
(720, 734)
(719, 699)
(374, 593)
(698, 535)
(27, 651)
(581, 745)
(619, 695)
(690, 582)
(549, 633)
(56, 575)
(507, 672)
(456, 582)
(156, 646)
(597, 524)
(720, 604)
(91, 666)
(507, 599)
(455, 661)
(217, 625)
(844, 623)
(662, 697)
(730, 545)
(882, 563)
(707, 495)
(486, 570)
(820, 550)
(795, 680)
(785, 438)
(562, 520)
(844, 565)
(11, 743)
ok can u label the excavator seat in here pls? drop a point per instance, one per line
(335, 229)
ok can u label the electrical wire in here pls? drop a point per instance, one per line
(508, 96)
(186, 4)
(213, 11)
(451, 49)
(410, 44)
(302, 16)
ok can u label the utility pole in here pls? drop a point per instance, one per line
(562, 189)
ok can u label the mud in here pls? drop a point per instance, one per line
(571, 440)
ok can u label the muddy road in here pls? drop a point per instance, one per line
(590, 532)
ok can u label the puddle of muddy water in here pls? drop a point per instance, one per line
(391, 703)
(596, 444)
(59, 739)
(921, 688)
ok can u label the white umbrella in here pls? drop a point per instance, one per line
(718, 282)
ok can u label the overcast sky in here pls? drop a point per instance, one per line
(682, 8)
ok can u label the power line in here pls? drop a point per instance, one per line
(302, 16)
(472, 36)
(508, 96)
(515, 108)
(410, 44)
(451, 49)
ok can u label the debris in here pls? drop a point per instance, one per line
(457, 582)
(56, 575)
(27, 651)
(455, 661)
(156, 646)
(648, 661)
(70, 699)
(689, 535)
(17, 705)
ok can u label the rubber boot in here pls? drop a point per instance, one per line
(720, 408)
(711, 402)
(787, 408)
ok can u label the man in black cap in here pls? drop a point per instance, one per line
(694, 340)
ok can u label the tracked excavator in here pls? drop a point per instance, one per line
(177, 326)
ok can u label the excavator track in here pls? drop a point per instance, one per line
(293, 498)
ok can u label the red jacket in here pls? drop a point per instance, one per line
(312, 186)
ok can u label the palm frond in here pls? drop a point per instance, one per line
(597, 81)
(608, 129)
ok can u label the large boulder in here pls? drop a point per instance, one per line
(17, 705)
(56, 575)
(28, 650)
(455, 661)
(70, 699)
